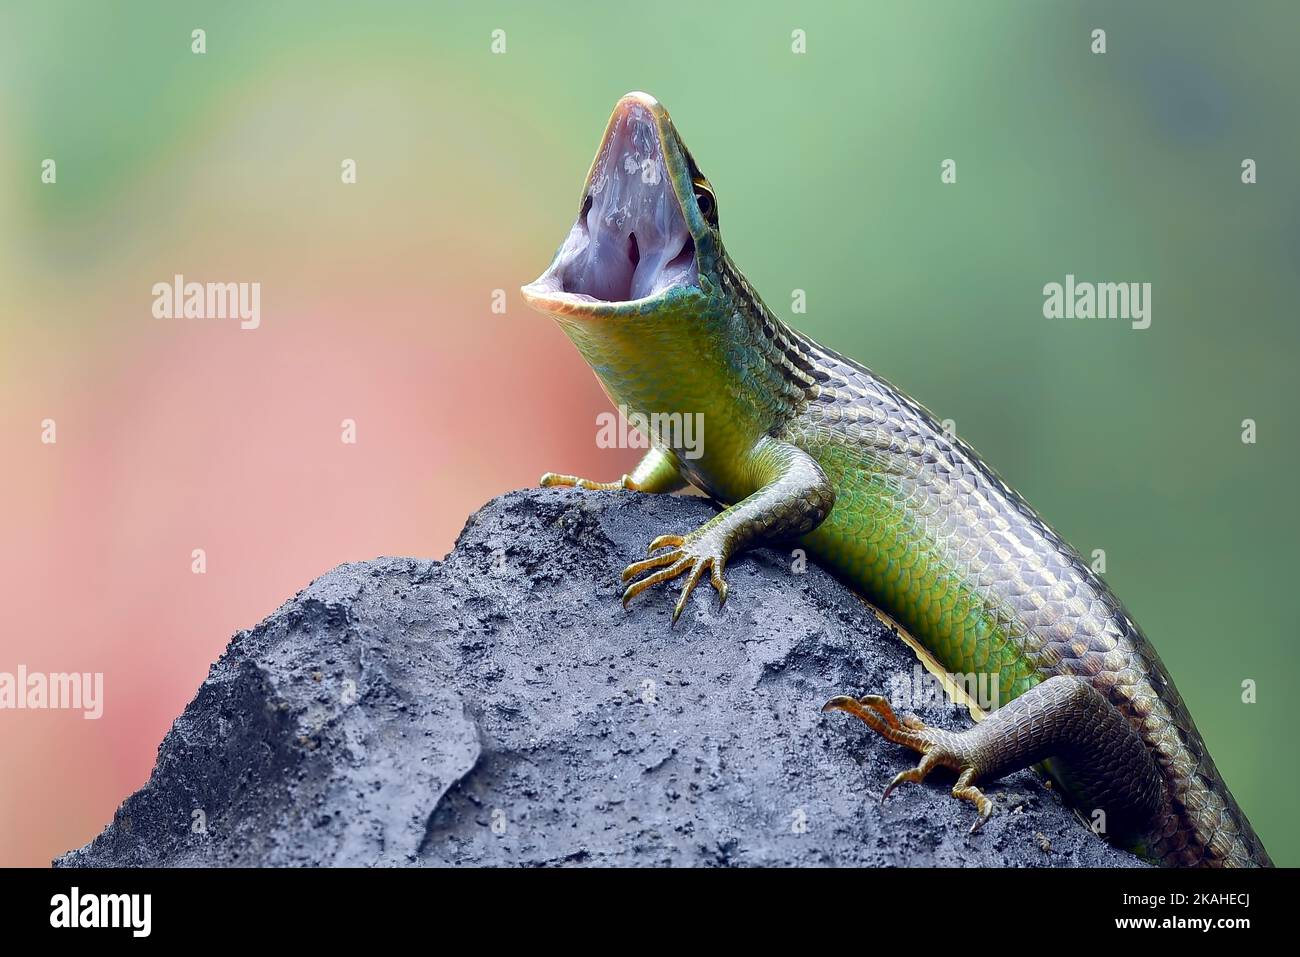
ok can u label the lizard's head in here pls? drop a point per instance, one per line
(646, 228)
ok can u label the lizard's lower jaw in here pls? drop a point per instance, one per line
(630, 243)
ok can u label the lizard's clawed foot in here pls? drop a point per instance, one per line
(938, 748)
(692, 555)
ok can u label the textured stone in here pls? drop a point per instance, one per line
(500, 707)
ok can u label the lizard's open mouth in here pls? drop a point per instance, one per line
(631, 240)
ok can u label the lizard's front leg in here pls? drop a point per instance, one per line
(793, 497)
(656, 472)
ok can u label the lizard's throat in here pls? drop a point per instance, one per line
(630, 242)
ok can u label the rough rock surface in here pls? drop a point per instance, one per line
(500, 707)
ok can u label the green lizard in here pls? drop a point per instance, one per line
(805, 445)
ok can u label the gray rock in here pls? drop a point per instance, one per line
(500, 707)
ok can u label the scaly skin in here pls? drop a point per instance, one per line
(806, 445)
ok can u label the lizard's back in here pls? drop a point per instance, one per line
(922, 526)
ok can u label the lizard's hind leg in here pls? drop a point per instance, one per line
(1063, 717)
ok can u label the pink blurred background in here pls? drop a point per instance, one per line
(179, 434)
(230, 442)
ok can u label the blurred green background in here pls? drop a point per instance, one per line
(1116, 167)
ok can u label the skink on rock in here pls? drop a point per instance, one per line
(804, 445)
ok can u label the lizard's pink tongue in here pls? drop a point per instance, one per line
(637, 240)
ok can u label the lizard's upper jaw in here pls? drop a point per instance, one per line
(630, 243)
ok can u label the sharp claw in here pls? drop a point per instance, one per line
(656, 561)
(719, 585)
(663, 575)
(663, 541)
(899, 778)
(679, 607)
(847, 704)
(691, 581)
(841, 702)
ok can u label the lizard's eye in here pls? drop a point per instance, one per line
(704, 200)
